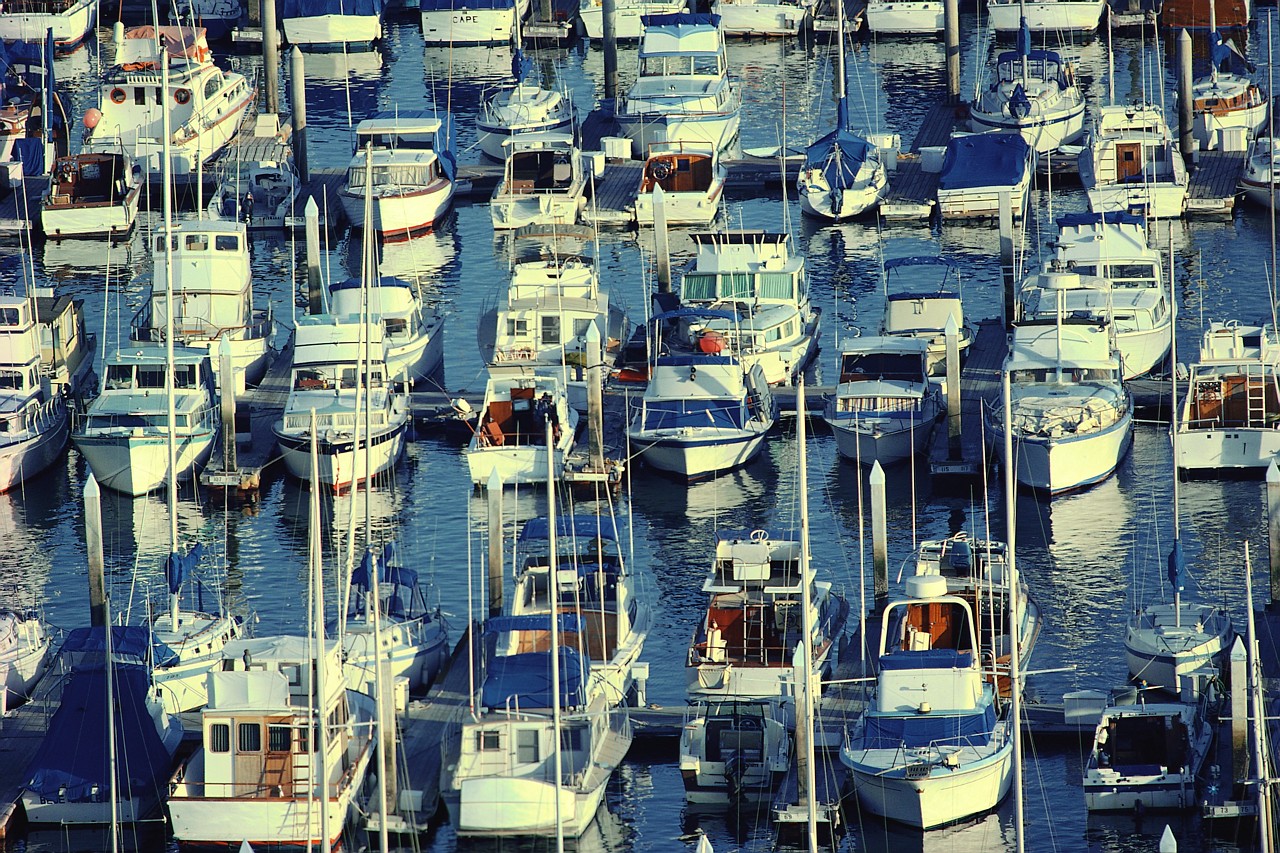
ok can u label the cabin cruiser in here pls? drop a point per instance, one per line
(511, 434)
(1129, 162)
(542, 183)
(91, 195)
(1034, 93)
(922, 312)
(692, 180)
(414, 334)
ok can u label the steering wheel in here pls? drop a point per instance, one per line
(661, 170)
(759, 535)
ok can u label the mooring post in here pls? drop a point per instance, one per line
(271, 56)
(315, 284)
(595, 399)
(494, 493)
(879, 534)
(951, 334)
(1273, 527)
(227, 379)
(1240, 754)
(1006, 255)
(661, 243)
(609, 12)
(951, 15)
(1186, 129)
(93, 541)
(298, 103)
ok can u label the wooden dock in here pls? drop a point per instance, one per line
(255, 441)
(613, 201)
(912, 190)
(324, 186)
(20, 207)
(979, 384)
(1214, 185)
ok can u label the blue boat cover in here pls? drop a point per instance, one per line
(525, 680)
(1225, 56)
(316, 8)
(694, 360)
(775, 534)
(984, 160)
(384, 281)
(361, 577)
(568, 624)
(682, 414)
(839, 155)
(578, 526)
(1177, 567)
(451, 5)
(676, 19)
(29, 151)
(1033, 56)
(178, 566)
(942, 729)
(927, 659)
(129, 643)
(74, 754)
(1116, 217)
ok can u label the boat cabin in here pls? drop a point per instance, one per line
(540, 163)
(89, 180)
(1234, 383)
(751, 268)
(682, 45)
(678, 169)
(516, 411)
(212, 284)
(412, 131)
(1142, 742)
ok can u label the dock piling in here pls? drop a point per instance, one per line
(879, 534)
(595, 399)
(951, 15)
(951, 333)
(1239, 711)
(298, 104)
(1273, 527)
(609, 11)
(93, 540)
(1006, 256)
(661, 244)
(1187, 143)
(227, 379)
(315, 286)
(271, 56)
(494, 492)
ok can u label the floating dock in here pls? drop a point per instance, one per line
(260, 408)
(960, 462)
(913, 191)
(1214, 183)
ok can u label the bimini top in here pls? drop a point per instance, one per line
(1114, 217)
(772, 534)
(1084, 346)
(681, 34)
(578, 526)
(524, 681)
(984, 160)
(384, 281)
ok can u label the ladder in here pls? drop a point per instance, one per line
(1255, 386)
(753, 631)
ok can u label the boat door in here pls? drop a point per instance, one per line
(1128, 160)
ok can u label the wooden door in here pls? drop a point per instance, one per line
(1128, 160)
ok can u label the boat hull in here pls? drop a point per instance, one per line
(22, 460)
(905, 18)
(340, 465)
(1236, 449)
(496, 806)
(517, 211)
(112, 220)
(1160, 199)
(697, 456)
(1042, 133)
(1057, 465)
(894, 443)
(463, 26)
(138, 464)
(1073, 16)
(627, 26)
(942, 798)
(399, 217)
(333, 32)
(493, 137)
(69, 26)
(646, 129)
(749, 18)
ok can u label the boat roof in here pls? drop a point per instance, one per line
(536, 141)
(383, 281)
(885, 344)
(412, 121)
(716, 378)
(150, 353)
(680, 34)
(1121, 237)
(1035, 346)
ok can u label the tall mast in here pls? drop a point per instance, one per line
(317, 587)
(554, 593)
(808, 778)
(166, 172)
(1015, 635)
(842, 103)
(1175, 558)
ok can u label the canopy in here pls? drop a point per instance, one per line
(580, 526)
(927, 659)
(388, 573)
(984, 160)
(936, 728)
(129, 643)
(1117, 217)
(840, 154)
(525, 680)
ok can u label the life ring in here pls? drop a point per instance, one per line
(117, 96)
(182, 96)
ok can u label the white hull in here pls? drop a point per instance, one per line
(498, 806)
(524, 465)
(492, 136)
(417, 659)
(137, 465)
(1053, 16)
(1236, 449)
(24, 459)
(870, 443)
(248, 360)
(1042, 133)
(518, 211)
(981, 201)
(817, 200)
(906, 17)
(397, 217)
(69, 27)
(204, 146)
(681, 208)
(333, 31)
(627, 25)
(1160, 200)
(420, 358)
(1163, 670)
(1259, 191)
(943, 798)
(340, 464)
(696, 455)
(1074, 462)
(1140, 352)
(1124, 793)
(90, 221)
(751, 18)
(716, 129)
(18, 676)
(464, 26)
(130, 810)
(1208, 127)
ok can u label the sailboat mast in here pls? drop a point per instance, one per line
(1015, 635)
(553, 593)
(1257, 713)
(170, 400)
(840, 70)
(1173, 427)
(321, 659)
(114, 784)
(808, 778)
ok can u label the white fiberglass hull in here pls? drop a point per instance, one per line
(1234, 449)
(339, 462)
(24, 459)
(419, 358)
(882, 440)
(463, 26)
(1063, 464)
(682, 208)
(941, 798)
(512, 212)
(90, 220)
(415, 651)
(716, 129)
(1159, 199)
(1043, 133)
(627, 25)
(1072, 16)
(1164, 669)
(498, 806)
(975, 202)
(400, 215)
(1112, 790)
(523, 465)
(1260, 191)
(493, 137)
(699, 453)
(69, 26)
(906, 17)
(333, 32)
(201, 143)
(751, 18)
(19, 674)
(1140, 352)
(139, 464)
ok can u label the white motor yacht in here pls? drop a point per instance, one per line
(522, 108)
(69, 21)
(748, 18)
(413, 333)
(692, 180)
(905, 17)
(543, 182)
(510, 435)
(1129, 163)
(91, 195)
(332, 25)
(1033, 93)
(922, 310)
(1046, 16)
(627, 26)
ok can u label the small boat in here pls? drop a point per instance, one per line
(935, 746)
(522, 109)
(68, 781)
(885, 407)
(1147, 752)
(627, 26)
(1129, 163)
(24, 652)
(1257, 179)
(744, 645)
(542, 183)
(258, 757)
(978, 168)
(1226, 99)
(328, 356)
(1071, 416)
(414, 167)
(218, 17)
(683, 92)
(762, 17)
(264, 194)
(511, 436)
(332, 25)
(1046, 16)
(701, 414)
(1164, 641)
(1033, 93)
(1226, 423)
(213, 296)
(32, 20)
(733, 751)
(205, 104)
(692, 179)
(922, 312)
(91, 195)
(413, 333)
(123, 434)
(905, 17)
(470, 22)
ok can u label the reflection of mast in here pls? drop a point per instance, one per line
(317, 627)
(808, 774)
(553, 589)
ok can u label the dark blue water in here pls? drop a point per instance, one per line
(1088, 557)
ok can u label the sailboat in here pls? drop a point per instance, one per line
(1224, 99)
(1165, 641)
(842, 175)
(508, 113)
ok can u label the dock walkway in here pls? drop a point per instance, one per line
(979, 384)
(255, 440)
(21, 733)
(912, 190)
(1213, 186)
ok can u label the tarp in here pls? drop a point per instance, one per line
(1117, 217)
(388, 572)
(691, 414)
(839, 155)
(129, 643)
(679, 18)
(1177, 566)
(30, 153)
(178, 566)
(927, 659)
(579, 526)
(971, 729)
(1225, 56)
(316, 8)
(984, 160)
(525, 680)
(74, 759)
(568, 624)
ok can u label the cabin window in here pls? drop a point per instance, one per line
(249, 737)
(184, 376)
(709, 65)
(571, 740)
(11, 379)
(197, 242)
(211, 88)
(517, 328)
(8, 316)
(293, 672)
(550, 330)
(736, 285)
(219, 737)
(140, 96)
(227, 243)
(699, 286)
(150, 377)
(488, 740)
(580, 328)
(527, 746)
(776, 285)
(279, 738)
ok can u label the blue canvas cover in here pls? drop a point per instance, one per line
(30, 153)
(676, 19)
(984, 160)
(1117, 217)
(128, 644)
(525, 680)
(927, 659)
(577, 526)
(316, 8)
(681, 414)
(839, 154)
(891, 732)
(74, 754)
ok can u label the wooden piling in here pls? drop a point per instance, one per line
(227, 379)
(494, 492)
(951, 16)
(661, 243)
(1186, 133)
(93, 541)
(609, 10)
(879, 534)
(1273, 527)
(315, 284)
(298, 103)
(271, 56)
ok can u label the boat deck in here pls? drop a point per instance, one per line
(20, 207)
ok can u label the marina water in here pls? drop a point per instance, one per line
(1089, 558)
